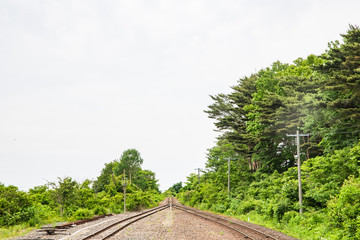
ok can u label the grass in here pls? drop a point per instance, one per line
(25, 228)
(312, 225)
(309, 226)
(15, 231)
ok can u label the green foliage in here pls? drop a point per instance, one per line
(100, 210)
(325, 175)
(331, 200)
(83, 213)
(263, 108)
(130, 161)
(11, 232)
(138, 201)
(116, 203)
(340, 92)
(145, 180)
(238, 207)
(15, 206)
(64, 194)
(41, 194)
(104, 178)
(68, 199)
(175, 189)
(319, 95)
(345, 209)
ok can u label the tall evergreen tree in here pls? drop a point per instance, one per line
(341, 90)
(231, 117)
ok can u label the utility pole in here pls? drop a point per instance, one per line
(124, 186)
(298, 163)
(198, 169)
(229, 177)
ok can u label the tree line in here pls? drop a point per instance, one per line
(68, 199)
(318, 95)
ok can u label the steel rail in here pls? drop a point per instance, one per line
(129, 223)
(148, 213)
(212, 220)
(236, 223)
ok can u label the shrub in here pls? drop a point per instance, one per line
(83, 213)
(219, 208)
(290, 216)
(138, 200)
(13, 205)
(345, 209)
(281, 207)
(247, 206)
(100, 210)
(116, 203)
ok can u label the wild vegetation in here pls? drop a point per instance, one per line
(318, 95)
(68, 199)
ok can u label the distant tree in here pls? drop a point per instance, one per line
(145, 180)
(41, 194)
(131, 161)
(64, 193)
(85, 195)
(12, 202)
(111, 178)
(231, 116)
(104, 178)
(176, 187)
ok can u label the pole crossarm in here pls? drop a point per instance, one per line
(300, 135)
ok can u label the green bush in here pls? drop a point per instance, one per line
(345, 209)
(100, 210)
(116, 203)
(290, 216)
(219, 208)
(247, 206)
(31, 216)
(28, 215)
(14, 205)
(238, 207)
(83, 213)
(281, 207)
(138, 200)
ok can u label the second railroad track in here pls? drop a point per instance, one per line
(243, 230)
(112, 229)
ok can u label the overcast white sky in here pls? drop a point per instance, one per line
(82, 81)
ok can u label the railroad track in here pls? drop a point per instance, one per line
(111, 230)
(245, 231)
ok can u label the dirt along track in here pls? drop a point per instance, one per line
(243, 230)
(170, 220)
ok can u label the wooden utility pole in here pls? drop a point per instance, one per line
(198, 169)
(299, 165)
(124, 186)
(229, 177)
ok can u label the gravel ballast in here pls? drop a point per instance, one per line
(170, 223)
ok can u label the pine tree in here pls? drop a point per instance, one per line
(341, 89)
(231, 117)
